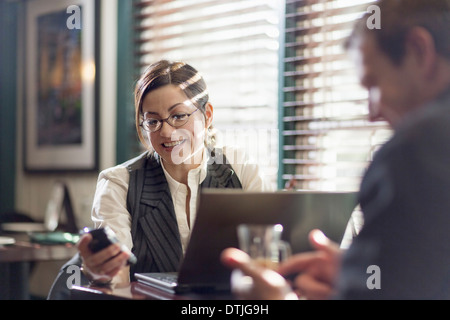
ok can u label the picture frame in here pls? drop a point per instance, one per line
(61, 83)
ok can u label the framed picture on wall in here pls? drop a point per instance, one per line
(60, 113)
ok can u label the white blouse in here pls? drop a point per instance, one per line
(109, 207)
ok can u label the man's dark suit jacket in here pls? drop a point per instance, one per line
(405, 199)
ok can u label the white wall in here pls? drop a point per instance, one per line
(33, 190)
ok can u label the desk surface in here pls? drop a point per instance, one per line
(139, 291)
(25, 251)
(16, 261)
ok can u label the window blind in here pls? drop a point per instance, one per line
(326, 140)
(235, 46)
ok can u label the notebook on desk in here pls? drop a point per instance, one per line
(219, 212)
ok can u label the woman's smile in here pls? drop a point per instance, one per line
(170, 145)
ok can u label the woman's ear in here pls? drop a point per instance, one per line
(209, 112)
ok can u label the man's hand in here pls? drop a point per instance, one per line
(317, 270)
(249, 280)
(315, 273)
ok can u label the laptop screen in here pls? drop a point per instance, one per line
(219, 212)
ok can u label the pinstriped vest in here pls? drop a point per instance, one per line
(154, 228)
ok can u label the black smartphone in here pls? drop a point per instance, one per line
(104, 237)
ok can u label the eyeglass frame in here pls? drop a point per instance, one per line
(161, 121)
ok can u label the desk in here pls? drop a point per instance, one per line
(138, 291)
(15, 261)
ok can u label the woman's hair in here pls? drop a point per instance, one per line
(398, 17)
(181, 74)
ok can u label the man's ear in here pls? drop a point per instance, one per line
(209, 114)
(421, 45)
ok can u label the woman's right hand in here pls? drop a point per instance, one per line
(103, 265)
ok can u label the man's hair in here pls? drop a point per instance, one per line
(398, 17)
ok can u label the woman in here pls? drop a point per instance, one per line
(150, 201)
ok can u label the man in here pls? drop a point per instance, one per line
(403, 249)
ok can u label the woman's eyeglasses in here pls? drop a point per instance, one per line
(175, 120)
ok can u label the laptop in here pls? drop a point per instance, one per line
(219, 212)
